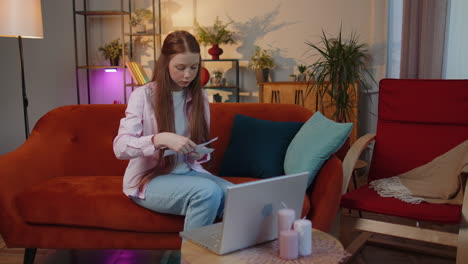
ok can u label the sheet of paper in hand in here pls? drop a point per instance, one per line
(201, 148)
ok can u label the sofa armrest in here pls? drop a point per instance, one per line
(352, 157)
(325, 194)
(33, 162)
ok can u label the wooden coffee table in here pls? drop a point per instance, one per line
(325, 249)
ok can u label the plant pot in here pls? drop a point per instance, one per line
(141, 28)
(217, 98)
(301, 77)
(215, 51)
(262, 75)
(217, 81)
(114, 61)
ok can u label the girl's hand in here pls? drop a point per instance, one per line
(195, 155)
(177, 143)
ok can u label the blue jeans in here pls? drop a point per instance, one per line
(198, 196)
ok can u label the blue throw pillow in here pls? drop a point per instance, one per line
(314, 143)
(257, 147)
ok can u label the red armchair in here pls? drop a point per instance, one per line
(418, 120)
(63, 187)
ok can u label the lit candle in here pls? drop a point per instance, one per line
(286, 218)
(288, 244)
(304, 228)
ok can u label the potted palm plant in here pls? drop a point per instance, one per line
(262, 61)
(338, 73)
(302, 75)
(215, 35)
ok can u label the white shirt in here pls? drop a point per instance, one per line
(178, 98)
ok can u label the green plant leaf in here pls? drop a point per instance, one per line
(262, 59)
(216, 34)
(113, 49)
(341, 64)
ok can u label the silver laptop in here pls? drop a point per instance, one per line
(250, 213)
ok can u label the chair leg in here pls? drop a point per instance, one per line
(29, 255)
(358, 243)
(346, 230)
(462, 247)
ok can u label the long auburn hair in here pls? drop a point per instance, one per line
(175, 43)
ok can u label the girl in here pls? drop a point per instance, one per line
(171, 113)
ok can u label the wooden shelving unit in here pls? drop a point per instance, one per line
(125, 34)
(101, 67)
(101, 13)
(234, 89)
(154, 33)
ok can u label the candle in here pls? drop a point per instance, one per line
(286, 218)
(304, 228)
(288, 244)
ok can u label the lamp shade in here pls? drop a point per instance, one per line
(21, 18)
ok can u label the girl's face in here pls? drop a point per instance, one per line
(183, 68)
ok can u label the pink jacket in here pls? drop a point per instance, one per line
(133, 140)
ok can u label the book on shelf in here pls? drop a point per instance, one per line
(143, 73)
(134, 73)
(141, 80)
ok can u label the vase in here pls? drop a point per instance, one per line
(204, 76)
(114, 61)
(215, 51)
(140, 28)
(262, 75)
(217, 81)
(266, 74)
(301, 77)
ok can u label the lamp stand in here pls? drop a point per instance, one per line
(25, 98)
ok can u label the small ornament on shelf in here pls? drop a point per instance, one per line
(204, 76)
(217, 79)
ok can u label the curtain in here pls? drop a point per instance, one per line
(423, 39)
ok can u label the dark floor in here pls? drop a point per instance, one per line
(369, 254)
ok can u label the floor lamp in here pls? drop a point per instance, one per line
(21, 19)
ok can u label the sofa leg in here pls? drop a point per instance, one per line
(29, 255)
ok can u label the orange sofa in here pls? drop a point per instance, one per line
(63, 187)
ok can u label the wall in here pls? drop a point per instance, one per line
(280, 25)
(456, 55)
(49, 71)
(284, 27)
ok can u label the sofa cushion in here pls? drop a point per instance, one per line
(257, 147)
(91, 201)
(222, 118)
(314, 143)
(95, 201)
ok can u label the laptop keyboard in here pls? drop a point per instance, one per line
(211, 236)
(216, 238)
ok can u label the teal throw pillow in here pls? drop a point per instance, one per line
(314, 143)
(257, 147)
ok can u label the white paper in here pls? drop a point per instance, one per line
(199, 148)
